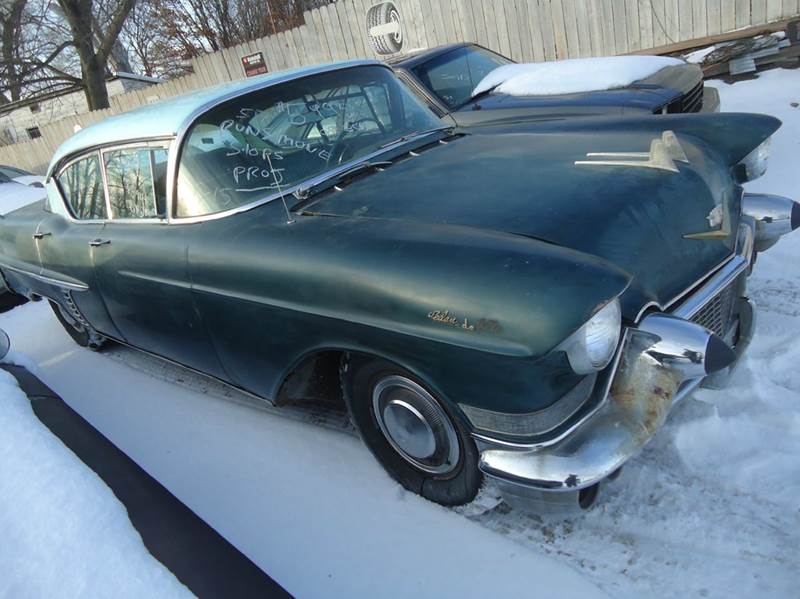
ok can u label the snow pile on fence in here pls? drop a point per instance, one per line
(572, 76)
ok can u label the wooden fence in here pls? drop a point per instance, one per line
(525, 30)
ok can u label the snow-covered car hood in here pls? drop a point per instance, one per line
(15, 195)
(34, 180)
(572, 76)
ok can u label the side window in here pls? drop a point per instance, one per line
(136, 180)
(82, 183)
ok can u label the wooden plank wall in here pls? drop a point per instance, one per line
(525, 30)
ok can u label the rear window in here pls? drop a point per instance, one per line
(283, 135)
(82, 184)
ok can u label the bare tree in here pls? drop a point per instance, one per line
(92, 45)
(34, 50)
(157, 48)
(200, 26)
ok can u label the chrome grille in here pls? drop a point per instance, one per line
(716, 315)
(691, 101)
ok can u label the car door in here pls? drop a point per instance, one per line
(65, 240)
(141, 262)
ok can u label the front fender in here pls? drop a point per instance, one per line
(467, 310)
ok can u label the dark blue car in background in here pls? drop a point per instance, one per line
(445, 77)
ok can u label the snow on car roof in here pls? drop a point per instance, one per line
(164, 119)
(572, 76)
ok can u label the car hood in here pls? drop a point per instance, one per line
(645, 95)
(16, 195)
(527, 182)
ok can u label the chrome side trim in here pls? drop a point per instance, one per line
(79, 286)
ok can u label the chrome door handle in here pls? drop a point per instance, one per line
(98, 242)
(39, 235)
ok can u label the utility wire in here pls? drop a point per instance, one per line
(658, 20)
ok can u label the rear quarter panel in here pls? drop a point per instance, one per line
(18, 252)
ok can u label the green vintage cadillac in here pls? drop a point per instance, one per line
(524, 303)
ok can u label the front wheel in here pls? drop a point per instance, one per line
(411, 433)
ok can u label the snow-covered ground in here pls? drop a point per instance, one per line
(709, 509)
(63, 532)
(308, 505)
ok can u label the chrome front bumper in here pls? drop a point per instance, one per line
(642, 394)
(659, 362)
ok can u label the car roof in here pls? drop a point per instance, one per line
(166, 118)
(415, 57)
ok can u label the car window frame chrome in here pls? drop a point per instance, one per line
(67, 205)
(146, 144)
(161, 141)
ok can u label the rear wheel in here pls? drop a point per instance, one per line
(411, 433)
(82, 335)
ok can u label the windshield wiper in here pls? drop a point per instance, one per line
(303, 193)
(412, 135)
(472, 99)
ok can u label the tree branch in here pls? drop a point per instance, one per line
(114, 27)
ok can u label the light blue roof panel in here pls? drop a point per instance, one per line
(165, 118)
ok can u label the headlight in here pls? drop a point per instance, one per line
(755, 163)
(592, 346)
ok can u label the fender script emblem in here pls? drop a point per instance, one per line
(664, 151)
(444, 317)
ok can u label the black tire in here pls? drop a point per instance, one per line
(79, 335)
(382, 14)
(457, 486)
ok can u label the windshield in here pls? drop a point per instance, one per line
(453, 76)
(283, 135)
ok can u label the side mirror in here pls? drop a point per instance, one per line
(5, 344)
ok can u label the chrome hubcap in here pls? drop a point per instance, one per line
(409, 429)
(415, 425)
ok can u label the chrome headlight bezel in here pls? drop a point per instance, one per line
(591, 348)
(754, 165)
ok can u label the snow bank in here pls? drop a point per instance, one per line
(751, 441)
(572, 76)
(63, 532)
